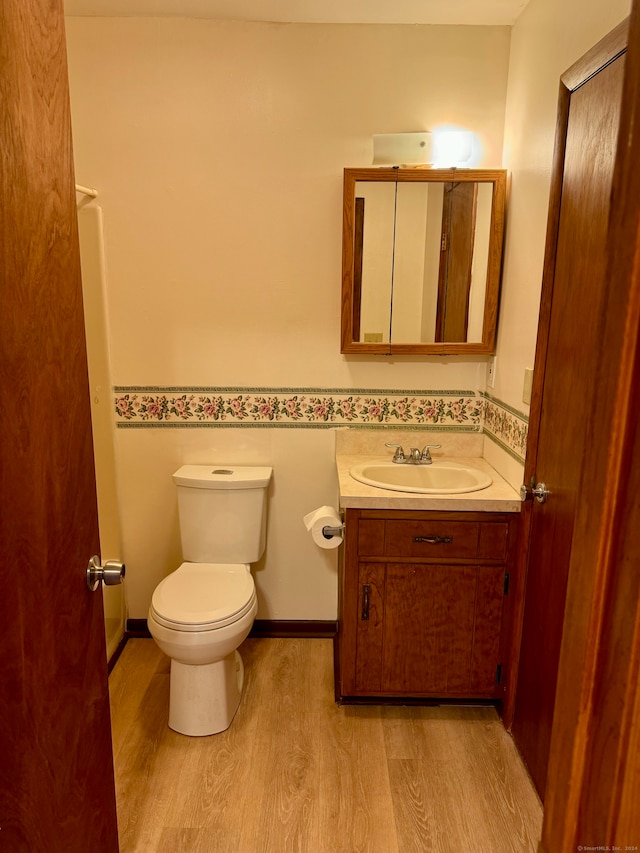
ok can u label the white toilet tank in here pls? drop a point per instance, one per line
(223, 512)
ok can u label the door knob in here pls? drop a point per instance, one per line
(110, 574)
(540, 492)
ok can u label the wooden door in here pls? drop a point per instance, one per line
(456, 259)
(566, 362)
(593, 789)
(56, 768)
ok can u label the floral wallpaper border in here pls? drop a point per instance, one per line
(455, 410)
(301, 407)
(506, 426)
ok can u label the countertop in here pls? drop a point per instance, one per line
(498, 497)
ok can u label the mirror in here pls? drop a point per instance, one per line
(421, 260)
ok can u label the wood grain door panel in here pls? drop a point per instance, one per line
(429, 624)
(56, 768)
(456, 259)
(593, 787)
(442, 628)
(487, 629)
(566, 362)
(370, 630)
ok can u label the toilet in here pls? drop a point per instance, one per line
(203, 610)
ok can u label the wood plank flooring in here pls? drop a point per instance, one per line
(296, 773)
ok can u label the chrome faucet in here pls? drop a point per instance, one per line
(415, 457)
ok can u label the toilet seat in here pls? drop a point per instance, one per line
(203, 596)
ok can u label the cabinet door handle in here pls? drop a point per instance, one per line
(366, 595)
(434, 540)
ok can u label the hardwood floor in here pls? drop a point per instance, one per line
(296, 772)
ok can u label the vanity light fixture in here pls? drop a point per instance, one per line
(445, 148)
(403, 149)
(452, 148)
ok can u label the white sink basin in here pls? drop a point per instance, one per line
(439, 478)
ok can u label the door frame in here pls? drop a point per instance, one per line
(600, 55)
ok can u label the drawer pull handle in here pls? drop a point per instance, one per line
(434, 540)
(366, 595)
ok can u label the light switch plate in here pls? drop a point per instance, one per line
(491, 372)
(528, 384)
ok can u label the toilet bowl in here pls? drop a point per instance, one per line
(201, 612)
(199, 615)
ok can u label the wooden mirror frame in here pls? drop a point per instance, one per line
(351, 294)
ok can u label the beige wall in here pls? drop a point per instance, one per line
(218, 151)
(547, 39)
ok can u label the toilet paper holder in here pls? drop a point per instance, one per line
(326, 526)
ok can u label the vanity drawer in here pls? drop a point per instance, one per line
(444, 538)
(371, 537)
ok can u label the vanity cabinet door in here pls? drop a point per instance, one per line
(442, 628)
(370, 634)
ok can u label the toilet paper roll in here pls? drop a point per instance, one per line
(316, 521)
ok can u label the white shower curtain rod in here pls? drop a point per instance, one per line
(86, 191)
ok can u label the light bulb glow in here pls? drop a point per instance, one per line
(452, 148)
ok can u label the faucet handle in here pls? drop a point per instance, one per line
(425, 455)
(398, 456)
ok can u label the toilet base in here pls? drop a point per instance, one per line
(204, 699)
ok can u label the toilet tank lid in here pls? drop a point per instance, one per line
(222, 477)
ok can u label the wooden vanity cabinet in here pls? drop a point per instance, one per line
(422, 604)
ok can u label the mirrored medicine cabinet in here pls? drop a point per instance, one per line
(421, 260)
